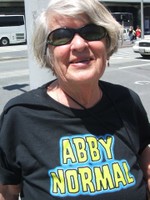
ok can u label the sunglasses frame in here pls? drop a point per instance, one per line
(79, 31)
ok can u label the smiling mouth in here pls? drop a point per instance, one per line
(81, 61)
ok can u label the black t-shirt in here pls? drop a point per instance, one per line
(57, 152)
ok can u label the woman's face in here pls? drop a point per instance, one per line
(81, 60)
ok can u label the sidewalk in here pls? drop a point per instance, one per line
(13, 52)
(125, 43)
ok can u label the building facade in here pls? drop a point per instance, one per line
(12, 7)
(131, 6)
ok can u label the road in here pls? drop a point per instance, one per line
(126, 68)
(14, 79)
(131, 70)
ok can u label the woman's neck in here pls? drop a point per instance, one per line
(75, 96)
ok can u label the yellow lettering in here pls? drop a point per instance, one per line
(93, 148)
(86, 179)
(80, 149)
(58, 182)
(67, 152)
(72, 181)
(118, 175)
(110, 177)
(107, 146)
(104, 180)
(126, 170)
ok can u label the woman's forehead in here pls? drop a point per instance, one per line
(57, 21)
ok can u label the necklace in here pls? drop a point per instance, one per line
(78, 103)
(54, 95)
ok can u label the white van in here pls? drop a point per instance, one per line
(12, 29)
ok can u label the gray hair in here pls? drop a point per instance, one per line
(96, 13)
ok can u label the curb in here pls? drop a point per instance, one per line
(13, 58)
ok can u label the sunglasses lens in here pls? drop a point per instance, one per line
(93, 32)
(60, 37)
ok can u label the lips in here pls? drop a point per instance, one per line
(80, 60)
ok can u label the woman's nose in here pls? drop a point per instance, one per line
(78, 43)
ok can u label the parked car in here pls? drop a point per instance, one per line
(142, 46)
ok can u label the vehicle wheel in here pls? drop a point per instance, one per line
(4, 41)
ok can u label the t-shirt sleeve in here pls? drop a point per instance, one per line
(10, 172)
(142, 122)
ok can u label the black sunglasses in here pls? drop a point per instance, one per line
(62, 36)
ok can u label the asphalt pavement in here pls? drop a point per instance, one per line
(13, 52)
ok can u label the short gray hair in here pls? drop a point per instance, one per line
(97, 14)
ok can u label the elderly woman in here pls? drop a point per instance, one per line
(75, 137)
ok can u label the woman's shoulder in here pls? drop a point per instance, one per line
(117, 91)
(123, 96)
(114, 86)
(31, 98)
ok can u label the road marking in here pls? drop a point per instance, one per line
(142, 82)
(15, 73)
(134, 66)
